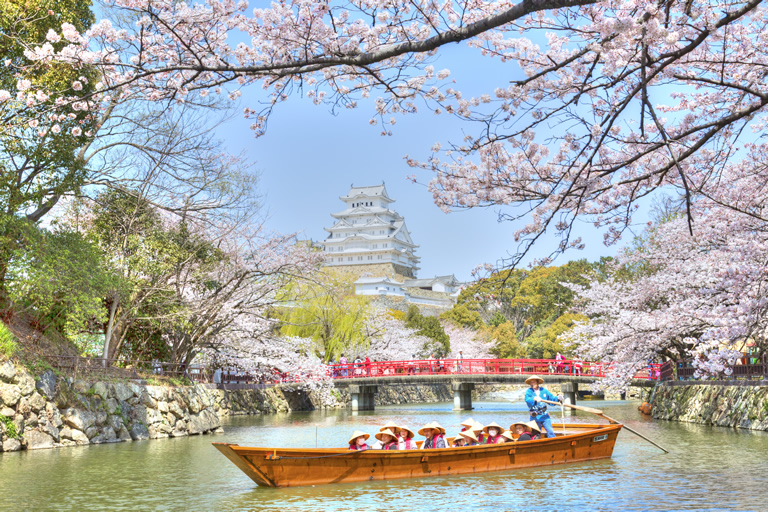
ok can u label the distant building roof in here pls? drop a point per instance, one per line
(371, 191)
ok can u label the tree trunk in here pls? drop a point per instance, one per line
(110, 330)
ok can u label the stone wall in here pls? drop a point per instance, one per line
(723, 405)
(56, 411)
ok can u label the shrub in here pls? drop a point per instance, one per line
(8, 344)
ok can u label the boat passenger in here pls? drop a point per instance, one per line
(470, 439)
(458, 441)
(435, 436)
(494, 431)
(477, 428)
(507, 437)
(405, 439)
(466, 424)
(388, 439)
(358, 441)
(522, 431)
(378, 445)
(535, 430)
(533, 398)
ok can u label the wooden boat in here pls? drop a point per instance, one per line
(290, 467)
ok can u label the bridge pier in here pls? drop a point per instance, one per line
(362, 398)
(462, 395)
(569, 390)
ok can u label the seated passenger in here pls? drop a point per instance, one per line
(405, 439)
(357, 441)
(519, 430)
(458, 441)
(470, 439)
(477, 428)
(507, 437)
(378, 445)
(494, 431)
(388, 439)
(535, 430)
(466, 424)
(435, 436)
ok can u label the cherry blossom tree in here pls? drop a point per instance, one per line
(390, 339)
(473, 344)
(608, 100)
(697, 298)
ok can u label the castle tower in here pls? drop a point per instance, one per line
(370, 238)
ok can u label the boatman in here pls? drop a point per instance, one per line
(533, 398)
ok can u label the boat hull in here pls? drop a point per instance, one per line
(287, 467)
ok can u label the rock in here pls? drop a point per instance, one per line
(80, 438)
(51, 431)
(175, 409)
(138, 413)
(11, 445)
(195, 406)
(37, 440)
(8, 412)
(26, 383)
(54, 416)
(30, 419)
(203, 422)
(92, 432)
(159, 393)
(80, 386)
(67, 442)
(181, 425)
(109, 436)
(124, 435)
(154, 417)
(47, 384)
(36, 402)
(122, 392)
(147, 401)
(101, 390)
(78, 418)
(101, 417)
(111, 405)
(66, 433)
(7, 371)
(10, 394)
(179, 433)
(139, 432)
(162, 406)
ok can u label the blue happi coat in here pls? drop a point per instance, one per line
(539, 409)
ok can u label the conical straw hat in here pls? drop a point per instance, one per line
(493, 425)
(410, 432)
(385, 431)
(391, 426)
(524, 424)
(534, 427)
(434, 425)
(357, 434)
(437, 426)
(534, 377)
(477, 427)
(508, 436)
(469, 422)
(468, 434)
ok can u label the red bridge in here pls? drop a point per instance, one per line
(362, 379)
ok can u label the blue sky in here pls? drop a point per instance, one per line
(309, 157)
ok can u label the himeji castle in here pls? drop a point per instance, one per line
(370, 240)
(367, 232)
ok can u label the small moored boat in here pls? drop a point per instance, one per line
(291, 467)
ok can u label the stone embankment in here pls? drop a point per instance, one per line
(723, 405)
(55, 411)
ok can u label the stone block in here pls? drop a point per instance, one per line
(47, 384)
(205, 421)
(11, 445)
(37, 440)
(139, 431)
(116, 422)
(101, 417)
(36, 402)
(79, 418)
(92, 432)
(54, 416)
(101, 389)
(111, 405)
(80, 386)
(80, 438)
(7, 371)
(175, 409)
(8, 412)
(124, 435)
(10, 394)
(162, 406)
(122, 391)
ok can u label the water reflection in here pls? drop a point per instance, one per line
(709, 468)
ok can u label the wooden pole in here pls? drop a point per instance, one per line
(598, 412)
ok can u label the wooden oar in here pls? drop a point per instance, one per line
(598, 412)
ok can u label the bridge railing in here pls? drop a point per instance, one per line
(569, 367)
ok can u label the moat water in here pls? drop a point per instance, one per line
(709, 468)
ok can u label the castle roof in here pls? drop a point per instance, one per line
(372, 191)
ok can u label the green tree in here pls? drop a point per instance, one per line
(545, 342)
(461, 315)
(506, 345)
(430, 327)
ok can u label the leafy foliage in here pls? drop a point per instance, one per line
(429, 327)
(8, 344)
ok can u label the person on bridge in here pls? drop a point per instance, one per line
(533, 398)
(388, 439)
(343, 362)
(494, 432)
(435, 436)
(367, 366)
(405, 439)
(358, 441)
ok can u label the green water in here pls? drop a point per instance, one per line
(709, 469)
